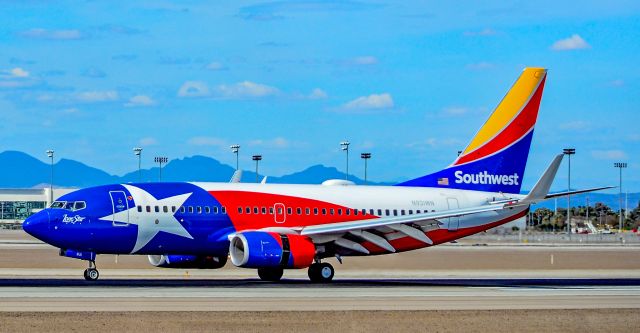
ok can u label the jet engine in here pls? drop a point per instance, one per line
(187, 261)
(259, 249)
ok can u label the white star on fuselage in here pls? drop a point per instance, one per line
(150, 224)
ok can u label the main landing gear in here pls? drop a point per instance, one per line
(91, 273)
(321, 272)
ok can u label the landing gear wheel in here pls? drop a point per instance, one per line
(321, 272)
(270, 274)
(91, 274)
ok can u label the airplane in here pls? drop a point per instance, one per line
(272, 227)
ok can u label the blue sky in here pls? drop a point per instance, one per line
(410, 82)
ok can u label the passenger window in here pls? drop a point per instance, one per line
(264, 210)
(280, 210)
(433, 210)
(139, 209)
(418, 211)
(182, 209)
(148, 209)
(215, 209)
(255, 210)
(402, 212)
(307, 211)
(299, 211)
(173, 209)
(339, 211)
(224, 210)
(156, 209)
(379, 212)
(324, 211)
(370, 211)
(165, 209)
(387, 211)
(410, 212)
(289, 211)
(271, 210)
(315, 211)
(190, 209)
(239, 210)
(207, 209)
(348, 211)
(247, 210)
(199, 209)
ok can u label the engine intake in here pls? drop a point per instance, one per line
(258, 249)
(187, 261)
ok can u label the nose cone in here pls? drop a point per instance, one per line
(37, 224)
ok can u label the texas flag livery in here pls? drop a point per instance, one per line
(273, 227)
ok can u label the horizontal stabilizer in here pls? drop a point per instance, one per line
(562, 194)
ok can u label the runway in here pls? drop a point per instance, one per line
(300, 295)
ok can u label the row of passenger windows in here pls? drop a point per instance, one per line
(280, 210)
(330, 211)
(184, 209)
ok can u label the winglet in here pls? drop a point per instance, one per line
(541, 189)
(237, 176)
(264, 180)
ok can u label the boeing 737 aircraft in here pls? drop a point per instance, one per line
(271, 227)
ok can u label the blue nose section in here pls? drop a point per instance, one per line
(37, 224)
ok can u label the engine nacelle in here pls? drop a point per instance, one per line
(258, 249)
(187, 261)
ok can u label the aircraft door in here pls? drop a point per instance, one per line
(120, 204)
(279, 213)
(454, 222)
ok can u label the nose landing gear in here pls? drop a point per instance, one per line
(91, 273)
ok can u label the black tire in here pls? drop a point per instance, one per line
(321, 273)
(91, 274)
(270, 274)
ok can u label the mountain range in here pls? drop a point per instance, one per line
(20, 170)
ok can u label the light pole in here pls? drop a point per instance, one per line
(257, 158)
(620, 166)
(365, 157)
(138, 152)
(236, 149)
(569, 152)
(50, 155)
(160, 160)
(345, 146)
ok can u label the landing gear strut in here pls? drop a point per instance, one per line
(91, 273)
(321, 272)
(272, 274)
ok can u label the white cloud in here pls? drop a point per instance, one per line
(97, 96)
(455, 111)
(216, 66)
(148, 141)
(140, 100)
(575, 42)
(373, 101)
(52, 34)
(576, 125)
(278, 143)
(206, 141)
(608, 154)
(318, 93)
(480, 65)
(19, 72)
(194, 89)
(483, 32)
(364, 60)
(246, 89)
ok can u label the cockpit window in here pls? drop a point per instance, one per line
(58, 204)
(79, 205)
(70, 205)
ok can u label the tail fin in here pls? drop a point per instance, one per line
(495, 159)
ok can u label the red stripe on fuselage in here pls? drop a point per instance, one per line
(232, 200)
(521, 125)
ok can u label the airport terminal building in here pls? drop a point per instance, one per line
(16, 204)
